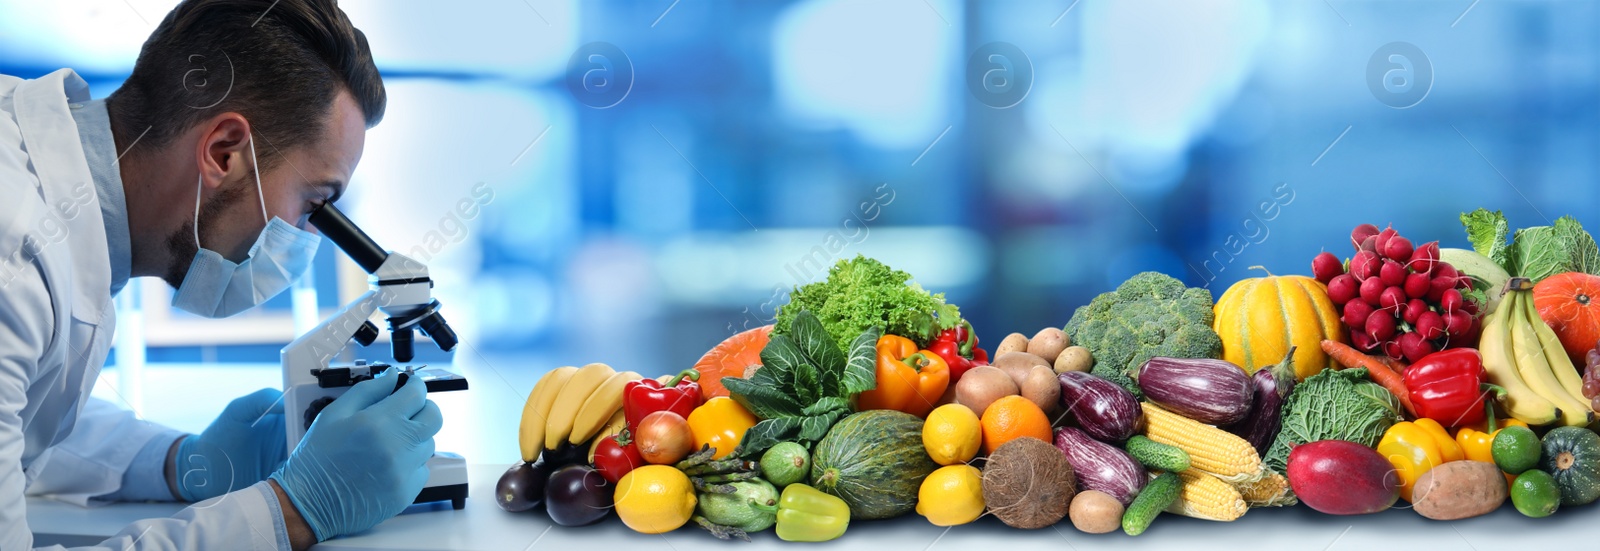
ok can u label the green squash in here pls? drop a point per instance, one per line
(874, 461)
(1572, 457)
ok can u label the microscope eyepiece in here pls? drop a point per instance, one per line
(329, 220)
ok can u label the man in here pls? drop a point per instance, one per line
(240, 117)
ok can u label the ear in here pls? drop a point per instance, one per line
(221, 151)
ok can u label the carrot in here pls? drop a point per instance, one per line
(1376, 369)
(1398, 367)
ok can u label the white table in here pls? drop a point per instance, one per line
(483, 526)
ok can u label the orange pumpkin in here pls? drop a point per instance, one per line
(1570, 304)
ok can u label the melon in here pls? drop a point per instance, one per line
(1261, 319)
(874, 461)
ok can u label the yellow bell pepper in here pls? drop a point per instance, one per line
(720, 423)
(1416, 447)
(1477, 440)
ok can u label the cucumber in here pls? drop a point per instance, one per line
(1157, 456)
(1156, 497)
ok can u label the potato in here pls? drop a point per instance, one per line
(1095, 512)
(1459, 489)
(1042, 388)
(1074, 358)
(1048, 343)
(1017, 364)
(1015, 342)
(981, 386)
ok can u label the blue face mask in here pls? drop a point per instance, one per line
(216, 287)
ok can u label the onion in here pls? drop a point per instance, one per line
(664, 438)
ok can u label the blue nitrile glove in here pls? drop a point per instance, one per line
(364, 458)
(244, 445)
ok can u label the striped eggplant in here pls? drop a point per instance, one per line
(1273, 385)
(1214, 392)
(1101, 466)
(1103, 409)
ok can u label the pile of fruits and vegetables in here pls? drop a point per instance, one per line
(1452, 379)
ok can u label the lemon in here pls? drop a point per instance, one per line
(951, 495)
(655, 498)
(952, 434)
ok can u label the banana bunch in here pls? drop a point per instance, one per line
(1523, 355)
(571, 405)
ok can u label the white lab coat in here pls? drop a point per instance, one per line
(56, 324)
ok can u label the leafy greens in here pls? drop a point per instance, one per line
(1337, 405)
(863, 293)
(1535, 253)
(804, 384)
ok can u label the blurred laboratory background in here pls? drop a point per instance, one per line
(630, 182)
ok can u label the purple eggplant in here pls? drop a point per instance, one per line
(1273, 385)
(1103, 409)
(1101, 466)
(1214, 392)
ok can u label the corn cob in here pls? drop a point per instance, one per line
(1271, 491)
(1210, 449)
(1207, 497)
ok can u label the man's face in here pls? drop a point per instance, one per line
(297, 181)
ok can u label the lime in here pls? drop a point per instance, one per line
(1515, 449)
(1535, 494)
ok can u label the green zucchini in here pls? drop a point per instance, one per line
(1157, 456)
(1152, 500)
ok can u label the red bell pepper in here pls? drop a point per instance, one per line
(969, 344)
(1448, 387)
(958, 347)
(680, 395)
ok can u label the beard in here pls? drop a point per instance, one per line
(181, 247)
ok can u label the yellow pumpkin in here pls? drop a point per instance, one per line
(1259, 319)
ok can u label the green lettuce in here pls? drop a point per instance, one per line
(1537, 252)
(862, 293)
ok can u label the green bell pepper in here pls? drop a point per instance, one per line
(807, 514)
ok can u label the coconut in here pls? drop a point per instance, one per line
(1028, 484)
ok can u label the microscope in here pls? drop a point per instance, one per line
(401, 289)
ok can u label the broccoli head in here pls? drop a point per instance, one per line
(1151, 314)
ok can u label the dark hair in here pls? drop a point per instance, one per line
(278, 63)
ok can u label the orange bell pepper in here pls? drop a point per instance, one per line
(909, 380)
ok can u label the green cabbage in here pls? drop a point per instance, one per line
(1333, 405)
(1535, 253)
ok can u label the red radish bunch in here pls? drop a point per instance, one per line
(1397, 299)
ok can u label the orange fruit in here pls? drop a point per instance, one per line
(1010, 418)
(730, 359)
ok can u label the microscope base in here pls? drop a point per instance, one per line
(456, 494)
(447, 480)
